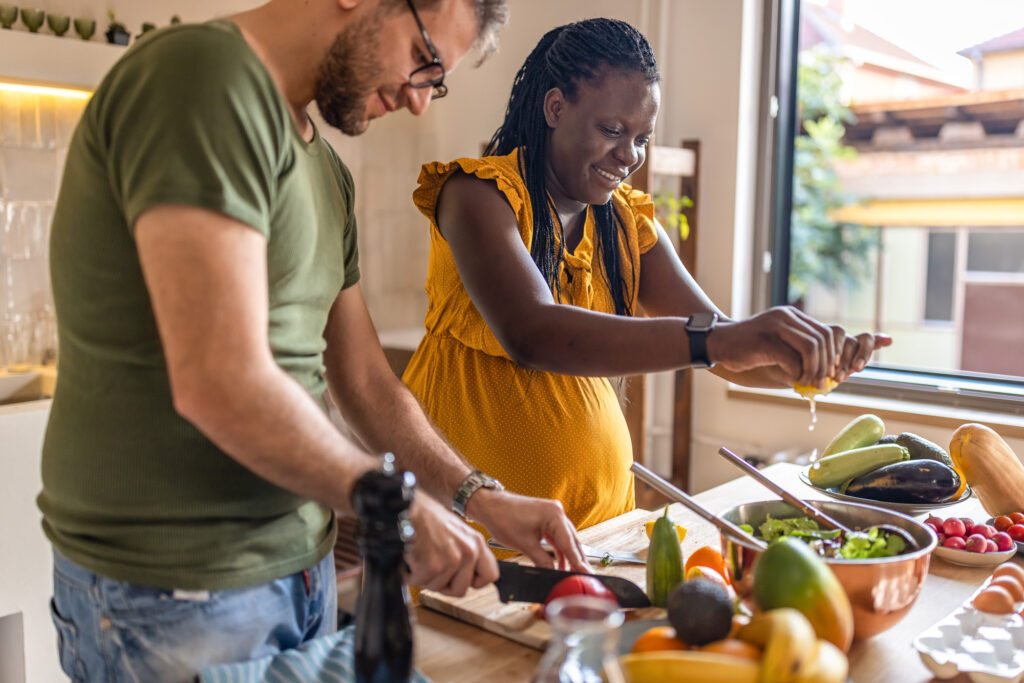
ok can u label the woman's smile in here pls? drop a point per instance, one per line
(613, 179)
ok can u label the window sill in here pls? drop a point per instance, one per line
(1008, 426)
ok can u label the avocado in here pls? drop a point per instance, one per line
(700, 611)
(921, 448)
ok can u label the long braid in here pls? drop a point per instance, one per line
(565, 57)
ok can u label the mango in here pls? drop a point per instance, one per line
(790, 574)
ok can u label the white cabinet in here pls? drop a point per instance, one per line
(28, 641)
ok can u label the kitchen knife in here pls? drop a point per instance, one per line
(526, 583)
(592, 553)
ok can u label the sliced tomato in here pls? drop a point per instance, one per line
(579, 585)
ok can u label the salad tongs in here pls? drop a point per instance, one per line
(806, 508)
(674, 493)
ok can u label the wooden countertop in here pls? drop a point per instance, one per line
(450, 651)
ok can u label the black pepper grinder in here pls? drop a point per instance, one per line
(383, 637)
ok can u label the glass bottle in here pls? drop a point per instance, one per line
(383, 636)
(585, 635)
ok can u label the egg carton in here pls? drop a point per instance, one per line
(989, 648)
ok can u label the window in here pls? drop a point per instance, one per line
(897, 198)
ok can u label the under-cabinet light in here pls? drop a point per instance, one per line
(46, 90)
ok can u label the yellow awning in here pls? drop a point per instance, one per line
(935, 212)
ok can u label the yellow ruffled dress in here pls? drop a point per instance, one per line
(539, 433)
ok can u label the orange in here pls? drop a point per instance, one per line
(706, 556)
(699, 572)
(734, 647)
(680, 530)
(657, 639)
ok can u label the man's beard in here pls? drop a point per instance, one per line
(347, 75)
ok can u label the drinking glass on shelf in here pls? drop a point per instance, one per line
(585, 631)
(18, 237)
(58, 23)
(85, 28)
(44, 336)
(16, 337)
(8, 15)
(32, 18)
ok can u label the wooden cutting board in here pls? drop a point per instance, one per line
(519, 621)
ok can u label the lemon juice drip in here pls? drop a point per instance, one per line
(814, 415)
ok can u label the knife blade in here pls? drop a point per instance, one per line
(526, 583)
(592, 553)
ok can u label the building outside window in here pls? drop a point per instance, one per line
(907, 188)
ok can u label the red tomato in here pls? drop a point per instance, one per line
(1016, 532)
(1017, 517)
(1002, 523)
(579, 585)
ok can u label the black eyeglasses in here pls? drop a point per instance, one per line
(429, 75)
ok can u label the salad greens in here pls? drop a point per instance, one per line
(829, 542)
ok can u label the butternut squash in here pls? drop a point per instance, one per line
(990, 466)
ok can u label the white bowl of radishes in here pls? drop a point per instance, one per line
(974, 544)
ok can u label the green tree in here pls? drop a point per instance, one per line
(823, 250)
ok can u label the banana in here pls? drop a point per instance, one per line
(788, 641)
(688, 667)
(829, 665)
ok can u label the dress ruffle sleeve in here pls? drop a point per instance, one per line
(501, 170)
(642, 206)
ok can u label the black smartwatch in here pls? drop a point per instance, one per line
(698, 327)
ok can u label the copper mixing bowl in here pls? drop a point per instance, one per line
(881, 590)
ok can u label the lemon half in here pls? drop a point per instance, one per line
(810, 391)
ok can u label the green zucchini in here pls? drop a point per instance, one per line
(840, 467)
(664, 561)
(922, 449)
(865, 430)
(912, 481)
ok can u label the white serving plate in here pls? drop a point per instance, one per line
(966, 558)
(12, 383)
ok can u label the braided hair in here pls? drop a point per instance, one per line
(565, 57)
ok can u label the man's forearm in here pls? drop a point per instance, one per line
(389, 418)
(267, 422)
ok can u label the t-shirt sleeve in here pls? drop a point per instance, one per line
(210, 135)
(350, 236)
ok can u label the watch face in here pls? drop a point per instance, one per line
(702, 320)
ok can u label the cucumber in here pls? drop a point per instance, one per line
(664, 561)
(839, 467)
(866, 430)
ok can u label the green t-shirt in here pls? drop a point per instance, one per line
(131, 490)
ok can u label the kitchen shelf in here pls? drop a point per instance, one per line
(49, 60)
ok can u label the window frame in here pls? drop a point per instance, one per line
(778, 129)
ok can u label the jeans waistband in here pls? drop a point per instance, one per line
(72, 572)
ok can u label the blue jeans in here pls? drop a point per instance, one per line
(116, 631)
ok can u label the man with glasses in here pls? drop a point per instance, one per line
(205, 274)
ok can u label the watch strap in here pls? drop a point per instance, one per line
(698, 337)
(699, 349)
(473, 482)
